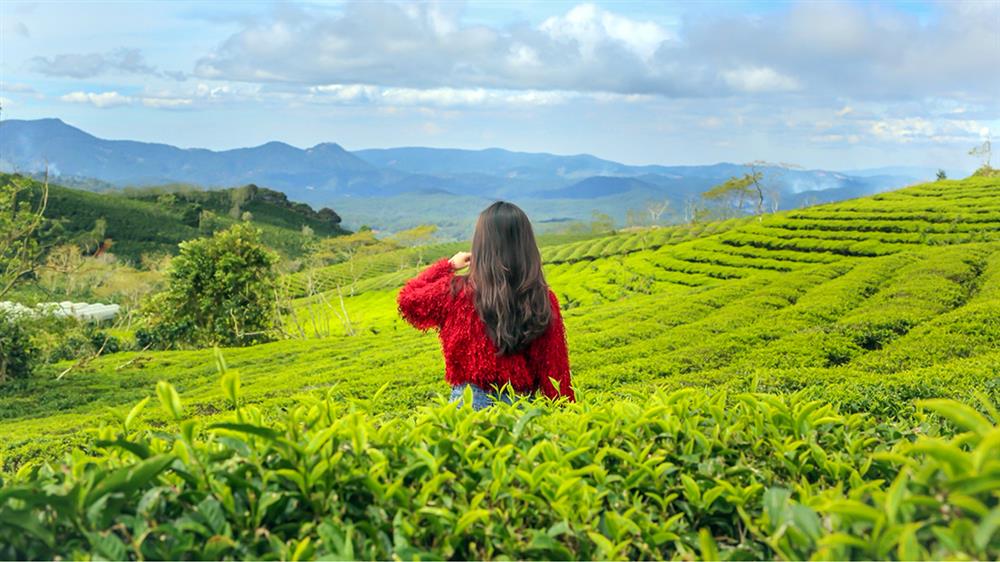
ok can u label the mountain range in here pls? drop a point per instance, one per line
(327, 174)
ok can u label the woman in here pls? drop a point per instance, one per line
(499, 324)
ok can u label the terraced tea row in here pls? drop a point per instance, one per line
(913, 310)
(673, 258)
(380, 269)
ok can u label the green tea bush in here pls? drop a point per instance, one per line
(221, 290)
(676, 475)
(18, 355)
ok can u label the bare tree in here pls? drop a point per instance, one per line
(656, 209)
(984, 151)
(773, 198)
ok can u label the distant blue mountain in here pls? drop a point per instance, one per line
(31, 145)
(600, 186)
(326, 172)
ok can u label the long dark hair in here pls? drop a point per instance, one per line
(505, 276)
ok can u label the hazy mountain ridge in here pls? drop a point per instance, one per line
(427, 182)
(328, 170)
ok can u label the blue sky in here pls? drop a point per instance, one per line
(819, 84)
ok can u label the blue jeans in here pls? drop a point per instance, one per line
(481, 398)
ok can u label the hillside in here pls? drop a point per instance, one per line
(897, 289)
(154, 221)
(750, 386)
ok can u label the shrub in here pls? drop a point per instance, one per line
(220, 292)
(680, 475)
(18, 355)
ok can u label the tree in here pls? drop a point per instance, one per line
(984, 151)
(601, 223)
(633, 217)
(656, 209)
(60, 268)
(754, 186)
(415, 237)
(694, 210)
(22, 213)
(207, 222)
(732, 194)
(219, 292)
(941, 175)
(240, 196)
(18, 354)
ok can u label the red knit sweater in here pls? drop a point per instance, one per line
(469, 354)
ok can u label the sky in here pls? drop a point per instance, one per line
(820, 84)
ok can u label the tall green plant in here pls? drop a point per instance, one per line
(22, 209)
(220, 292)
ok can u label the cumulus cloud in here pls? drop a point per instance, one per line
(109, 99)
(862, 50)
(589, 26)
(811, 48)
(427, 45)
(89, 65)
(101, 100)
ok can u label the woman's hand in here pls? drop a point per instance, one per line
(461, 260)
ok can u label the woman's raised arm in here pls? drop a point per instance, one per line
(423, 301)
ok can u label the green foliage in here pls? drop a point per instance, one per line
(220, 291)
(986, 171)
(748, 389)
(683, 474)
(156, 220)
(22, 208)
(18, 355)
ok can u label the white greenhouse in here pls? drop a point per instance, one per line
(85, 312)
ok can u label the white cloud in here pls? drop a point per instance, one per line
(104, 100)
(426, 46)
(523, 56)
(436, 97)
(760, 80)
(590, 26)
(919, 129)
(101, 100)
(166, 103)
(347, 93)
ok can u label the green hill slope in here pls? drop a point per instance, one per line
(859, 308)
(915, 314)
(154, 221)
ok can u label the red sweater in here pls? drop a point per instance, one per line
(426, 301)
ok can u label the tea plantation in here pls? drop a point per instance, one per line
(822, 384)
